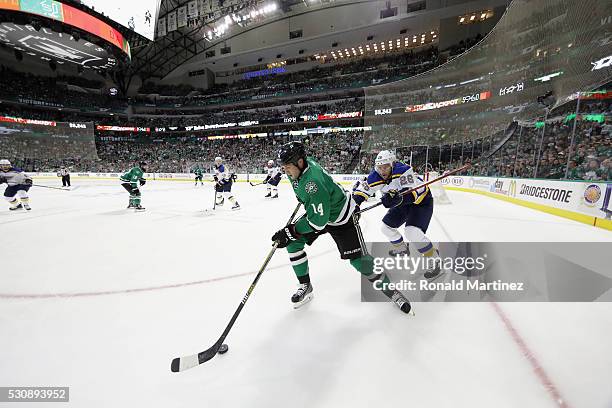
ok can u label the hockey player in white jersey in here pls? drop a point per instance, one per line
(392, 177)
(224, 180)
(18, 185)
(272, 179)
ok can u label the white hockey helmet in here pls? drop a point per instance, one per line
(218, 160)
(384, 157)
(5, 163)
(270, 163)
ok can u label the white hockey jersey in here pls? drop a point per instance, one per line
(402, 178)
(13, 177)
(221, 173)
(274, 172)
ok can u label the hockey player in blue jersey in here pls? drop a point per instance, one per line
(272, 179)
(414, 210)
(224, 180)
(18, 185)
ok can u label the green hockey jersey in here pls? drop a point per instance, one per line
(198, 172)
(133, 176)
(325, 201)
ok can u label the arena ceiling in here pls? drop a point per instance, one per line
(187, 46)
(172, 50)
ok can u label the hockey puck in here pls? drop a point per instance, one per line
(223, 349)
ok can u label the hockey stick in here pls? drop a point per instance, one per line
(403, 193)
(211, 211)
(215, 196)
(54, 188)
(194, 360)
(257, 184)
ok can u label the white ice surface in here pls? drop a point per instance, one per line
(98, 311)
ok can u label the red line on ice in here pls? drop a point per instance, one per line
(539, 371)
(118, 291)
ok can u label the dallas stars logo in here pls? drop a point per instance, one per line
(295, 184)
(311, 187)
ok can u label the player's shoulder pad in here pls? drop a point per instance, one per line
(374, 179)
(400, 168)
(221, 168)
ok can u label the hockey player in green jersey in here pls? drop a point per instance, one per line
(131, 181)
(199, 176)
(329, 209)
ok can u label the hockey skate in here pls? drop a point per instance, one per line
(27, 207)
(269, 195)
(402, 303)
(433, 273)
(275, 195)
(138, 207)
(236, 206)
(399, 250)
(302, 296)
(220, 203)
(17, 207)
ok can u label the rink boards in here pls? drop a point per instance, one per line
(582, 201)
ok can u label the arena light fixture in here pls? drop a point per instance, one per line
(242, 18)
(475, 17)
(385, 46)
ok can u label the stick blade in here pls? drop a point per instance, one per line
(180, 364)
(184, 363)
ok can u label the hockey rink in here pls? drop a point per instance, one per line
(100, 299)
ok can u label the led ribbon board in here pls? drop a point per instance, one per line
(51, 43)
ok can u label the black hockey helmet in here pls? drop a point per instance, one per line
(143, 165)
(291, 152)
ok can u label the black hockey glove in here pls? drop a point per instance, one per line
(142, 182)
(266, 179)
(392, 199)
(28, 182)
(285, 236)
(359, 199)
